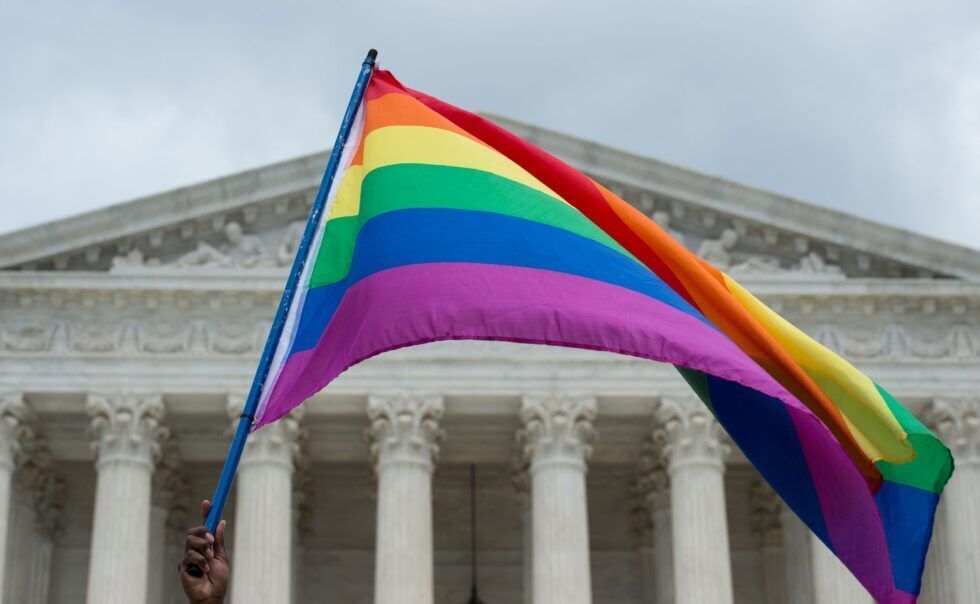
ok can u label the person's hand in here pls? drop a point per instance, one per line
(206, 552)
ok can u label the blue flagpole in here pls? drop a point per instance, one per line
(258, 382)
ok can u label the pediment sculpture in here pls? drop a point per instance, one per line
(239, 250)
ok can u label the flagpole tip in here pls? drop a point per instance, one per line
(372, 55)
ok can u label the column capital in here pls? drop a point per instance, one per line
(303, 494)
(14, 429)
(520, 477)
(279, 442)
(689, 434)
(557, 428)
(45, 486)
(404, 428)
(126, 426)
(652, 476)
(956, 419)
(766, 510)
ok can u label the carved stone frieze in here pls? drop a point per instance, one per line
(164, 337)
(32, 337)
(756, 265)
(153, 337)
(239, 249)
(890, 325)
(718, 252)
(236, 338)
(663, 219)
(233, 336)
(815, 264)
(94, 337)
(236, 251)
(286, 250)
(744, 247)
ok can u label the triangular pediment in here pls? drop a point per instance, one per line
(252, 220)
(248, 220)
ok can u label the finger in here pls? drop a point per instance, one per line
(205, 510)
(200, 545)
(219, 540)
(200, 533)
(195, 558)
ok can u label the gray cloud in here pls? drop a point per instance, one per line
(873, 108)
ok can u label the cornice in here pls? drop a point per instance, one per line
(268, 280)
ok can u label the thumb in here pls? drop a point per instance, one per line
(219, 540)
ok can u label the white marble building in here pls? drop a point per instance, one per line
(128, 336)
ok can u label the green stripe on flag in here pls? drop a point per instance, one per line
(408, 186)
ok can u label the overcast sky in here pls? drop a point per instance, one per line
(871, 107)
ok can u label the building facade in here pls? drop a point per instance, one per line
(129, 335)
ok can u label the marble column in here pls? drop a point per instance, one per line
(832, 581)
(302, 520)
(663, 545)
(694, 451)
(557, 437)
(263, 524)
(937, 578)
(404, 435)
(19, 547)
(956, 420)
(158, 529)
(169, 494)
(44, 487)
(641, 536)
(126, 432)
(767, 528)
(521, 480)
(656, 487)
(179, 518)
(39, 576)
(13, 431)
(796, 554)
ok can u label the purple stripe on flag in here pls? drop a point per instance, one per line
(444, 301)
(852, 519)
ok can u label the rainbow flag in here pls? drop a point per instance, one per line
(441, 225)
